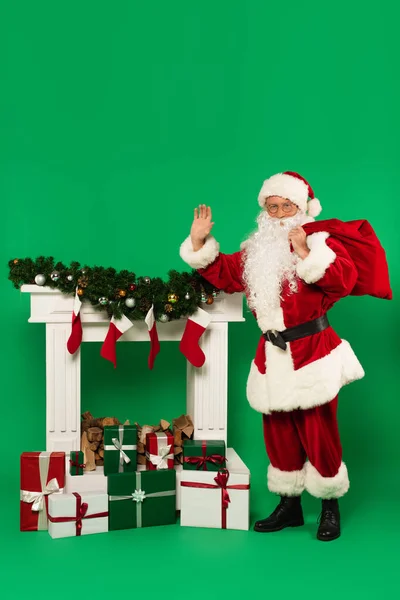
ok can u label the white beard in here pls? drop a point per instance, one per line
(268, 263)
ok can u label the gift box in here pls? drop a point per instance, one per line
(142, 499)
(204, 455)
(119, 449)
(76, 514)
(76, 464)
(42, 476)
(159, 451)
(142, 431)
(216, 500)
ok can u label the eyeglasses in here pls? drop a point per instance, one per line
(287, 207)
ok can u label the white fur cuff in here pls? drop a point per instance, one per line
(203, 257)
(326, 487)
(285, 483)
(312, 268)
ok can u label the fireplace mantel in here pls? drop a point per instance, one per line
(207, 387)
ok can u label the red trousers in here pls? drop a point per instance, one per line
(291, 437)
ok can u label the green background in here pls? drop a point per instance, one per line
(116, 120)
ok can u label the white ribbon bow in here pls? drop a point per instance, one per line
(160, 461)
(122, 455)
(138, 495)
(37, 498)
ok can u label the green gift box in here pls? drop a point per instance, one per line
(204, 455)
(119, 449)
(141, 499)
(76, 464)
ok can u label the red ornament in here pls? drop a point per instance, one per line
(132, 287)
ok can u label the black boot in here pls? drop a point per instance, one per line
(329, 523)
(288, 513)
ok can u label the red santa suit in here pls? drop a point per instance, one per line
(296, 389)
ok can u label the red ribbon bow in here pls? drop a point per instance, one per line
(81, 510)
(201, 461)
(222, 482)
(75, 463)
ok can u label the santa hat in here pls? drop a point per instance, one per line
(295, 188)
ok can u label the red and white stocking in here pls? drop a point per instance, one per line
(117, 328)
(154, 342)
(75, 339)
(195, 327)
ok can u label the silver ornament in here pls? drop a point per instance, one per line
(130, 302)
(70, 278)
(187, 296)
(55, 276)
(40, 279)
(215, 293)
(147, 280)
(103, 301)
(164, 318)
(203, 298)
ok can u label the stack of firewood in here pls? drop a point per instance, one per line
(92, 439)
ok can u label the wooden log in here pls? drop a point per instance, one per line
(95, 434)
(88, 454)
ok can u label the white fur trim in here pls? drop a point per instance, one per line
(201, 317)
(326, 487)
(312, 268)
(150, 320)
(77, 304)
(284, 389)
(285, 186)
(286, 483)
(314, 207)
(122, 324)
(203, 257)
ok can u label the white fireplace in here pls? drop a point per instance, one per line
(207, 387)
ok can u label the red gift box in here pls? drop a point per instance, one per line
(42, 473)
(159, 451)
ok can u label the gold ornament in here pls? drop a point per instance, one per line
(210, 300)
(15, 261)
(168, 308)
(173, 298)
(80, 292)
(121, 293)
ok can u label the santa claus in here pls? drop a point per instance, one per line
(292, 271)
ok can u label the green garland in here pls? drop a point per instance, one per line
(115, 292)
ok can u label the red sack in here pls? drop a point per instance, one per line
(366, 251)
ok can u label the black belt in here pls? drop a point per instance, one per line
(280, 338)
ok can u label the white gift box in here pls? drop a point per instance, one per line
(73, 507)
(90, 481)
(203, 507)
